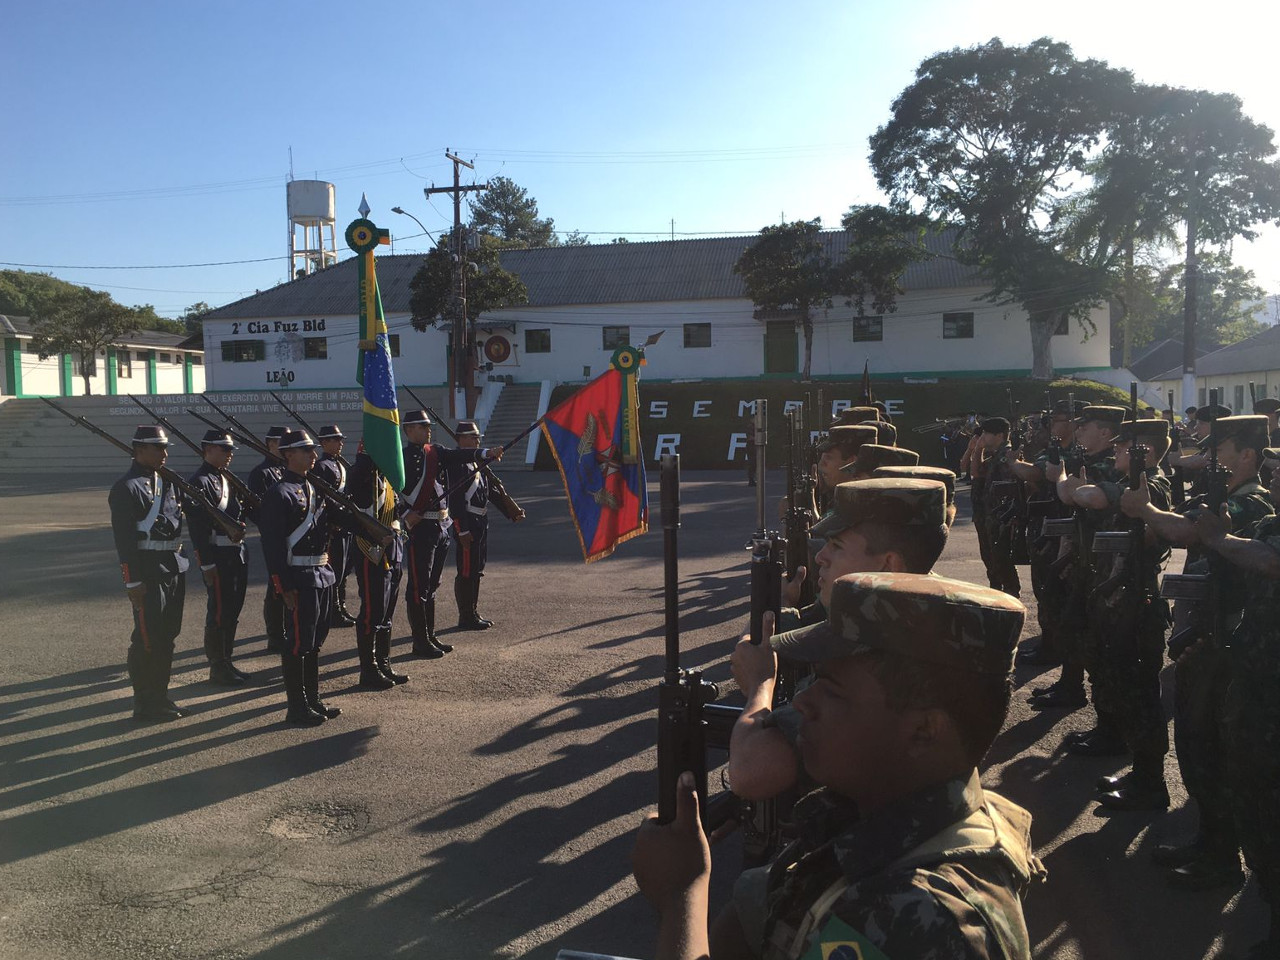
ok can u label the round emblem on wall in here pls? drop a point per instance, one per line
(497, 349)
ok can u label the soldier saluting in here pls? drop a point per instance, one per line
(146, 522)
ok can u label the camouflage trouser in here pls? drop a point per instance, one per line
(1002, 573)
(1126, 676)
(1050, 591)
(1202, 675)
(1252, 726)
(981, 528)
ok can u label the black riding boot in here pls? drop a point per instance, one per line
(300, 712)
(475, 601)
(371, 678)
(311, 684)
(339, 616)
(424, 631)
(219, 666)
(382, 655)
(229, 650)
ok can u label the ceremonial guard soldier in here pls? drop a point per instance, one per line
(146, 523)
(331, 467)
(294, 522)
(261, 479)
(426, 514)
(223, 562)
(378, 571)
(474, 486)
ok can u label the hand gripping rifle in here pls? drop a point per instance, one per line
(233, 529)
(250, 499)
(497, 492)
(684, 697)
(768, 547)
(303, 423)
(368, 528)
(1131, 542)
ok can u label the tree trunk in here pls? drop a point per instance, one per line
(1042, 326)
(807, 326)
(84, 374)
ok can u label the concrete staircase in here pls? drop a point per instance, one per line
(517, 407)
(37, 440)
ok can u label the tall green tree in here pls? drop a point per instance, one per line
(507, 212)
(489, 286)
(787, 271)
(993, 139)
(81, 322)
(1227, 302)
(193, 319)
(883, 243)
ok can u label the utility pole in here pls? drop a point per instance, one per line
(462, 370)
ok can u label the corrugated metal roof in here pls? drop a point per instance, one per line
(662, 270)
(22, 326)
(1259, 352)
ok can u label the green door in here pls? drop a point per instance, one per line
(781, 347)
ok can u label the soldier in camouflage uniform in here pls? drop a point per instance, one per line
(873, 456)
(1202, 670)
(1043, 504)
(1251, 716)
(840, 446)
(1000, 493)
(941, 474)
(1129, 620)
(852, 416)
(896, 524)
(1095, 431)
(902, 853)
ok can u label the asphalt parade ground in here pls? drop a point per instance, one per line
(484, 809)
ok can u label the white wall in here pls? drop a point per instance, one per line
(422, 359)
(1266, 384)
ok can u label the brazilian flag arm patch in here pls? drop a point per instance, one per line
(839, 941)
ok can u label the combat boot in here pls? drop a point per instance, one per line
(311, 686)
(339, 616)
(300, 712)
(464, 593)
(1217, 868)
(1101, 741)
(382, 655)
(371, 678)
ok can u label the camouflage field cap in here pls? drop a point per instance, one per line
(871, 456)
(932, 619)
(1102, 414)
(853, 415)
(886, 432)
(847, 437)
(995, 425)
(1069, 408)
(1146, 430)
(920, 472)
(1250, 430)
(1265, 405)
(898, 501)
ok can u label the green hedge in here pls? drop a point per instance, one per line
(705, 415)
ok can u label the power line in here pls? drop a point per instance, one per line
(153, 266)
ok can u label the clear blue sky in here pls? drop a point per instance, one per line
(159, 133)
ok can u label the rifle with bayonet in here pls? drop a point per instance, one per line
(497, 492)
(250, 499)
(303, 423)
(368, 528)
(230, 527)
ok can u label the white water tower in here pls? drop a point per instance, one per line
(312, 242)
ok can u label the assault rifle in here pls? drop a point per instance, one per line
(1177, 483)
(1131, 543)
(303, 423)
(232, 528)
(250, 499)
(367, 527)
(684, 697)
(799, 513)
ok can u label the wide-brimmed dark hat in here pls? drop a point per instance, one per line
(467, 428)
(297, 440)
(415, 416)
(151, 433)
(275, 433)
(950, 623)
(330, 432)
(217, 438)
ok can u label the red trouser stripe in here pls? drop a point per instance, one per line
(297, 630)
(466, 558)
